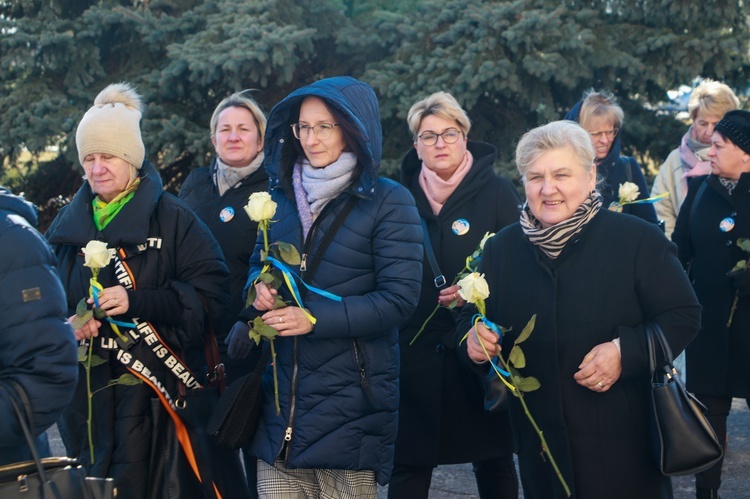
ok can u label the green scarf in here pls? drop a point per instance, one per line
(105, 212)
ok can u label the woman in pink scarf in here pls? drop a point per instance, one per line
(708, 103)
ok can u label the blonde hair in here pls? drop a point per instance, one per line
(440, 104)
(600, 104)
(713, 97)
(555, 135)
(240, 99)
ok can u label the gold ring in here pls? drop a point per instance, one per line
(281, 319)
(600, 384)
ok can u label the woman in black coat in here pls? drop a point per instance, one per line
(593, 278)
(217, 194)
(441, 415)
(710, 224)
(166, 280)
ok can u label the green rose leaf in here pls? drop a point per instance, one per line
(529, 384)
(739, 266)
(517, 357)
(289, 253)
(97, 361)
(82, 307)
(266, 277)
(251, 293)
(278, 302)
(78, 321)
(744, 244)
(127, 379)
(526, 330)
(99, 313)
(83, 351)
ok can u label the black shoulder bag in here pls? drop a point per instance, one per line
(48, 478)
(683, 441)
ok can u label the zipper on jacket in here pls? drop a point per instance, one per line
(292, 401)
(359, 356)
(288, 434)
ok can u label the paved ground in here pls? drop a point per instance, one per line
(457, 481)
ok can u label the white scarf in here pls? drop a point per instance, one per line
(229, 176)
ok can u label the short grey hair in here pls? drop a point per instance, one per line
(440, 104)
(713, 97)
(555, 135)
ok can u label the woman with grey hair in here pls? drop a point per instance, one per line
(217, 194)
(588, 346)
(600, 115)
(459, 198)
(708, 104)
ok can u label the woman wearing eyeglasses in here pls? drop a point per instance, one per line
(600, 115)
(442, 419)
(338, 378)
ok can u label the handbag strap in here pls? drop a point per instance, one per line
(439, 279)
(337, 223)
(25, 421)
(654, 334)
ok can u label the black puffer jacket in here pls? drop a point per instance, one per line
(37, 347)
(174, 261)
(235, 232)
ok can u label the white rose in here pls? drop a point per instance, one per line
(260, 207)
(628, 192)
(474, 288)
(97, 255)
(487, 235)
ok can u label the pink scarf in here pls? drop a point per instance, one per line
(692, 152)
(438, 190)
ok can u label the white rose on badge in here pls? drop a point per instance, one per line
(628, 192)
(260, 207)
(474, 288)
(97, 255)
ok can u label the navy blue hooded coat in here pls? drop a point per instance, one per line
(338, 385)
(37, 346)
(616, 170)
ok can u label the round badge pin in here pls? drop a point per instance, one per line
(727, 224)
(226, 214)
(460, 226)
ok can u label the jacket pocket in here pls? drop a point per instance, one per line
(360, 360)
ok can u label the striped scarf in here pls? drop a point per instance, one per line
(553, 239)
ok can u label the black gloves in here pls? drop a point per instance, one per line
(740, 281)
(239, 342)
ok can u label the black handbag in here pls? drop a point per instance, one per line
(48, 478)
(236, 415)
(684, 443)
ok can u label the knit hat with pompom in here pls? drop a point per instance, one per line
(112, 126)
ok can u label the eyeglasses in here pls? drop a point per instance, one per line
(449, 136)
(321, 130)
(606, 133)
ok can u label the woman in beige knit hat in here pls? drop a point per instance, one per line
(151, 326)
